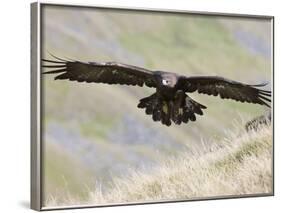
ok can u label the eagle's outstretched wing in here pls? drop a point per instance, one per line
(228, 89)
(108, 72)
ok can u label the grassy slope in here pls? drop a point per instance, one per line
(238, 165)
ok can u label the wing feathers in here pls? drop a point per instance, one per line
(109, 72)
(51, 61)
(55, 71)
(62, 76)
(54, 66)
(226, 89)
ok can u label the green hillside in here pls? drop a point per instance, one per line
(238, 165)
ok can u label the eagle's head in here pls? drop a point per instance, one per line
(169, 80)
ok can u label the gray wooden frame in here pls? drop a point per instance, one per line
(36, 103)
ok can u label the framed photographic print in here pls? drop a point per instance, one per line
(135, 105)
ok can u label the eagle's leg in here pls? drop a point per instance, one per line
(177, 107)
(185, 108)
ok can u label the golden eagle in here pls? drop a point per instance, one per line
(170, 101)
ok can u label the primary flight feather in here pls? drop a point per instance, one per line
(170, 101)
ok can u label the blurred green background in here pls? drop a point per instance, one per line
(95, 132)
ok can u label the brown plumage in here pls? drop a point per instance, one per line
(170, 101)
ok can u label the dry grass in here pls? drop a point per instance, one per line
(238, 165)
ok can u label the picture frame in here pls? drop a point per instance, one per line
(38, 102)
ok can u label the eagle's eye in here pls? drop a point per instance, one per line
(165, 82)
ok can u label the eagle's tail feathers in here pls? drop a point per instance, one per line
(181, 109)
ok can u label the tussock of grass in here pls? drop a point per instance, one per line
(238, 165)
